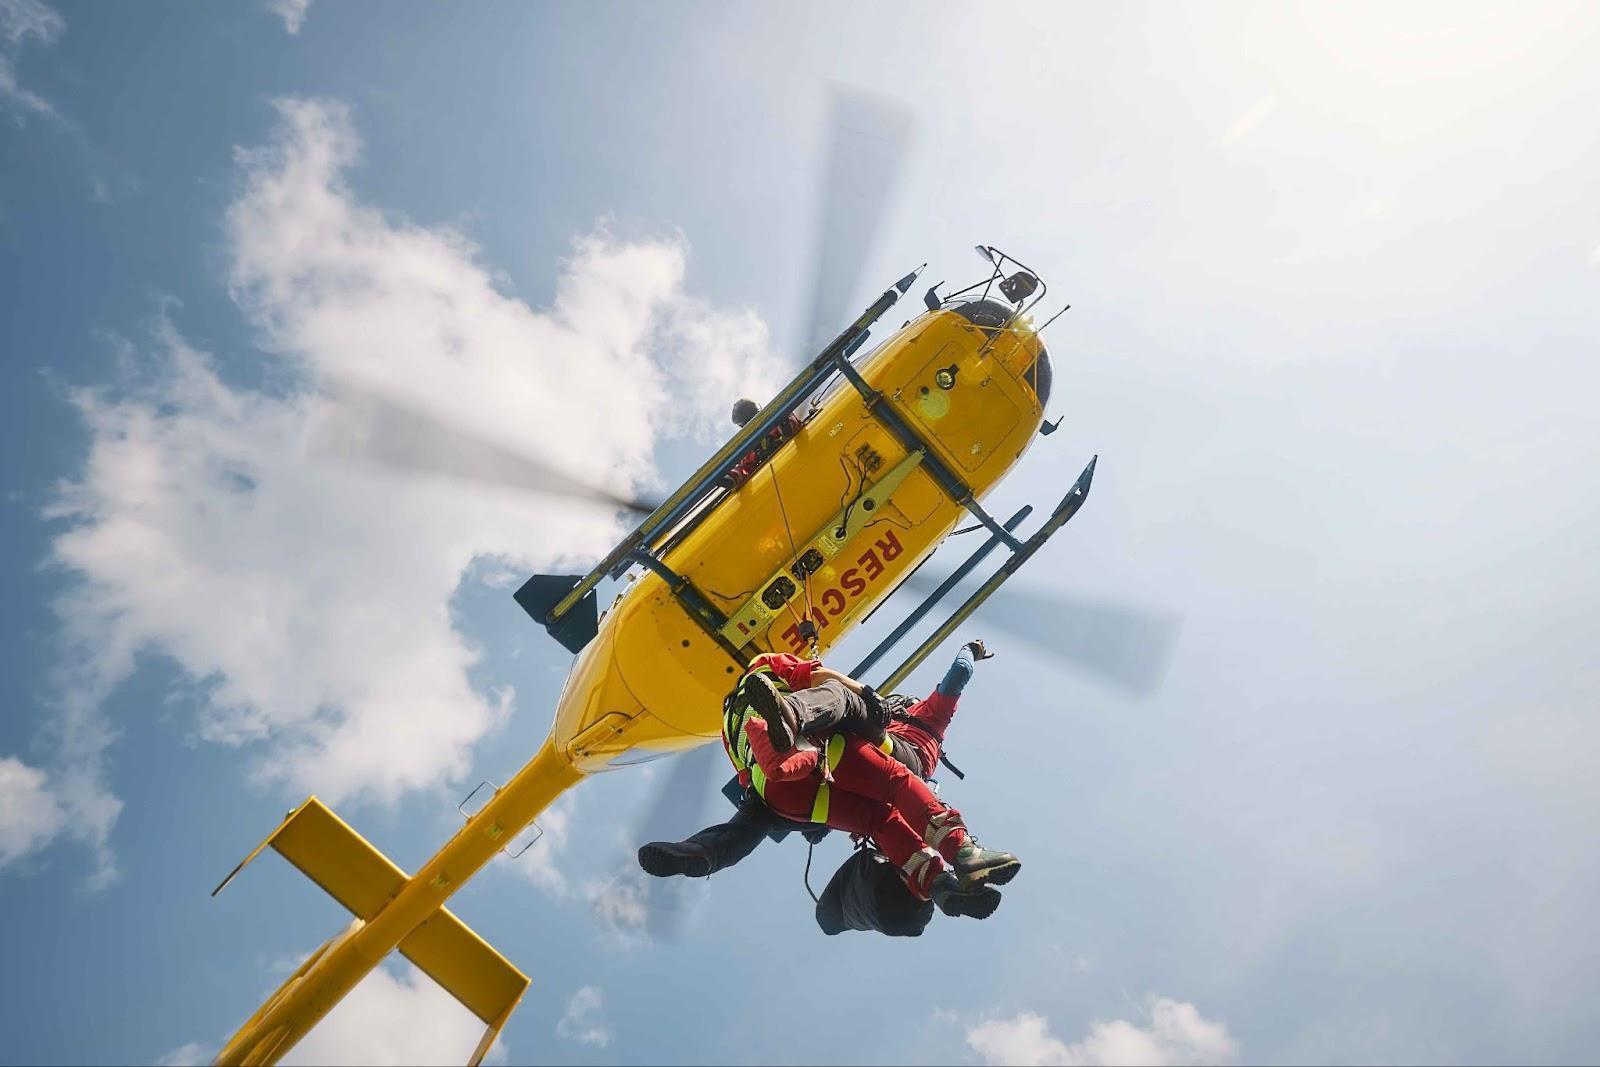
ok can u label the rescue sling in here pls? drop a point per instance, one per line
(736, 713)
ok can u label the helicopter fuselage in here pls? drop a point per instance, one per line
(652, 680)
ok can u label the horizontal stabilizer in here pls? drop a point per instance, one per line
(357, 875)
(446, 950)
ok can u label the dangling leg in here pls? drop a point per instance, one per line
(818, 712)
(712, 849)
(920, 866)
(866, 770)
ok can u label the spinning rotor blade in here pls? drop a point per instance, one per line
(1126, 646)
(868, 135)
(680, 806)
(377, 430)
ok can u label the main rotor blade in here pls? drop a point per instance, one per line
(868, 135)
(678, 808)
(368, 427)
(1129, 647)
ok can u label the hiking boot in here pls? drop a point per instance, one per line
(768, 703)
(975, 865)
(667, 858)
(954, 900)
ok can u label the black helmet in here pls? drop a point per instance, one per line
(744, 409)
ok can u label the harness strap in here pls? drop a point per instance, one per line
(916, 870)
(941, 826)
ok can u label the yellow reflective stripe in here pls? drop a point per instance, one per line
(819, 806)
(835, 751)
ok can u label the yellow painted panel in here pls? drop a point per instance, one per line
(338, 859)
(465, 965)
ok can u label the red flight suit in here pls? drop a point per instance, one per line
(872, 794)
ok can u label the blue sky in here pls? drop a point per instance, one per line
(1334, 280)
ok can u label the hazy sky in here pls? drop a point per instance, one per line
(1334, 277)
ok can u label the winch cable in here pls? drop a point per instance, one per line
(806, 877)
(794, 550)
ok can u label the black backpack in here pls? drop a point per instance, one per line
(867, 893)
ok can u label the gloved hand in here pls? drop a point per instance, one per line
(878, 713)
(976, 647)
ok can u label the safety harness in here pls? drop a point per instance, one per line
(736, 714)
(899, 706)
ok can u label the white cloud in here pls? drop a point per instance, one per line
(292, 12)
(395, 1015)
(540, 864)
(1175, 1035)
(30, 817)
(582, 1021)
(19, 21)
(308, 602)
(620, 903)
(191, 1054)
(1255, 116)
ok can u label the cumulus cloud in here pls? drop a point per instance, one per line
(20, 21)
(308, 602)
(541, 862)
(396, 1015)
(30, 816)
(292, 12)
(582, 1021)
(620, 903)
(189, 1054)
(1175, 1034)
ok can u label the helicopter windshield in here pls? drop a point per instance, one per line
(1039, 377)
(990, 313)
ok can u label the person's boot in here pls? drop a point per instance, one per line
(667, 858)
(782, 726)
(975, 865)
(948, 894)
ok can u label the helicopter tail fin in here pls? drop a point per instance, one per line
(539, 596)
(329, 852)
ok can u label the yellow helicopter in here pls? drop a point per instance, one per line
(896, 446)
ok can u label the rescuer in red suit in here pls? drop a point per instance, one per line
(813, 745)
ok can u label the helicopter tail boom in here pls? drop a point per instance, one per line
(352, 871)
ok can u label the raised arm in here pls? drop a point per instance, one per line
(822, 674)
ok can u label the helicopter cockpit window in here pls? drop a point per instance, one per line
(1039, 377)
(987, 313)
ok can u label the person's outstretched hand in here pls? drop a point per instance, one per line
(978, 650)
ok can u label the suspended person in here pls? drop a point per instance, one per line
(815, 751)
(859, 896)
